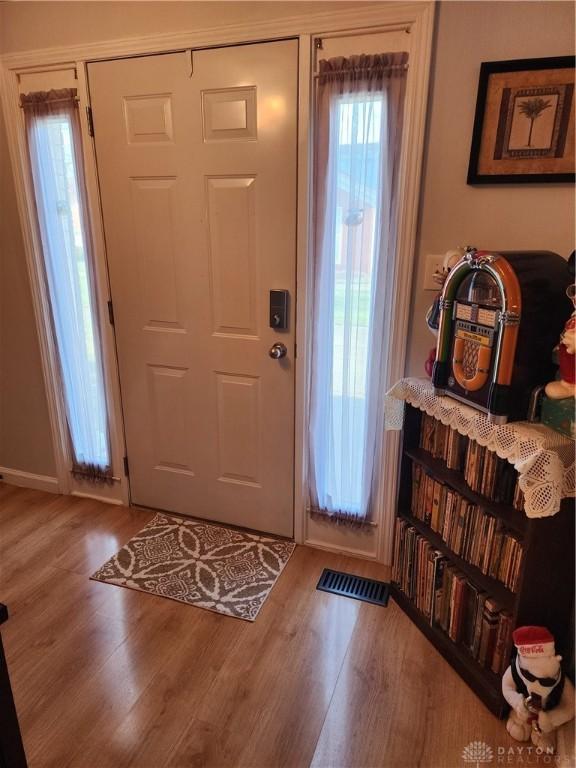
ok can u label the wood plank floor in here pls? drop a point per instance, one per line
(106, 677)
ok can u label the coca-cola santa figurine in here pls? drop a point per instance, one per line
(541, 697)
(565, 386)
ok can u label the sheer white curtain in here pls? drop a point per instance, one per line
(359, 121)
(53, 133)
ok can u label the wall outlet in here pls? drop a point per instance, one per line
(433, 264)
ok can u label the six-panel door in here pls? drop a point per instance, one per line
(197, 166)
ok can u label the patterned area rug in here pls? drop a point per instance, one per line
(201, 564)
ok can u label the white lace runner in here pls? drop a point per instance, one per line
(543, 458)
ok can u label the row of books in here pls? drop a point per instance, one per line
(471, 532)
(449, 601)
(443, 442)
(493, 477)
(483, 470)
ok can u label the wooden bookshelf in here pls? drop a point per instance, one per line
(545, 593)
(515, 520)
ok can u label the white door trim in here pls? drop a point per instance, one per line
(415, 17)
(420, 27)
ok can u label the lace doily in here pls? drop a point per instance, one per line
(543, 458)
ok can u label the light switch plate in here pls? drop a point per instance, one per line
(433, 264)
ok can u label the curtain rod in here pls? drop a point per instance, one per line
(400, 27)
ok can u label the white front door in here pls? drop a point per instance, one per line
(196, 160)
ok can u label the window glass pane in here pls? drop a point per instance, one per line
(68, 275)
(355, 157)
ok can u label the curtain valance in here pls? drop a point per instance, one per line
(367, 70)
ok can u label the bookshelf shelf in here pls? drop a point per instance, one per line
(545, 580)
(495, 588)
(513, 519)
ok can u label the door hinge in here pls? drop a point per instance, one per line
(110, 312)
(126, 467)
(295, 350)
(90, 120)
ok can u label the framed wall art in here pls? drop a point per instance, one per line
(524, 123)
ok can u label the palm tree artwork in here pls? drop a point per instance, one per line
(532, 109)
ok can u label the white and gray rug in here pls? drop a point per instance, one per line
(201, 564)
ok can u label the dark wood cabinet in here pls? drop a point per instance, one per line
(545, 595)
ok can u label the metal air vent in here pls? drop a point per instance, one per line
(357, 587)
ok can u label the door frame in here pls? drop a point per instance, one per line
(415, 18)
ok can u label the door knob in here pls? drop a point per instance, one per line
(277, 351)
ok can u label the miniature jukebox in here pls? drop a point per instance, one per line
(500, 315)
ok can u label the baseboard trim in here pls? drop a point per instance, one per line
(341, 550)
(97, 497)
(29, 480)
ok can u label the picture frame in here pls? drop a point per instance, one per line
(524, 122)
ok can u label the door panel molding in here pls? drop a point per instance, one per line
(239, 449)
(170, 417)
(233, 280)
(152, 213)
(148, 118)
(229, 114)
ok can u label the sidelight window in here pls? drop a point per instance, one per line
(54, 144)
(359, 109)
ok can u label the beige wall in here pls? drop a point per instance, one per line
(452, 213)
(25, 441)
(502, 217)
(47, 24)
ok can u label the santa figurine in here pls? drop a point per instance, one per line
(541, 697)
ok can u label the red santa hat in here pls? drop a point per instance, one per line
(533, 642)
